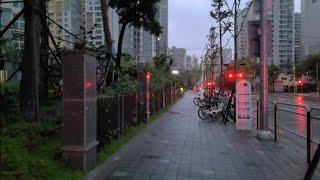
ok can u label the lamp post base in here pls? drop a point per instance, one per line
(264, 135)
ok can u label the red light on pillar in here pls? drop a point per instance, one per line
(88, 85)
(148, 75)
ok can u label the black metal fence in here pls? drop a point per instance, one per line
(306, 113)
(116, 114)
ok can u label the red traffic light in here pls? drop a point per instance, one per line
(240, 75)
(148, 75)
(230, 75)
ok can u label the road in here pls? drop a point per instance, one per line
(296, 122)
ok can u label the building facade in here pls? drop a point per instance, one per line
(242, 46)
(179, 58)
(15, 40)
(94, 24)
(188, 63)
(283, 33)
(310, 26)
(69, 14)
(162, 17)
(142, 45)
(297, 37)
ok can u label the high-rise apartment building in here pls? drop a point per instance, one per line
(162, 17)
(310, 26)
(283, 33)
(242, 46)
(15, 36)
(68, 14)
(179, 56)
(142, 45)
(94, 23)
(254, 30)
(188, 63)
(297, 37)
(8, 12)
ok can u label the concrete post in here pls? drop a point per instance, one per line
(263, 133)
(79, 109)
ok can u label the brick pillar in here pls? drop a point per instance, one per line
(79, 109)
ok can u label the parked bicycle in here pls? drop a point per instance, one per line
(213, 105)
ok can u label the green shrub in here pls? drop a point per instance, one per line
(32, 151)
(51, 112)
(9, 101)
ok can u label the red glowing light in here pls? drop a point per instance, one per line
(88, 85)
(240, 75)
(209, 84)
(300, 82)
(230, 75)
(148, 75)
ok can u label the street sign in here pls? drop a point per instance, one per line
(244, 105)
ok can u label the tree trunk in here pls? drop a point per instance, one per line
(106, 28)
(221, 55)
(29, 95)
(44, 73)
(108, 43)
(122, 31)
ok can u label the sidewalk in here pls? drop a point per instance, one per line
(180, 146)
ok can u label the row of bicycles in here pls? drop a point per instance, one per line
(215, 105)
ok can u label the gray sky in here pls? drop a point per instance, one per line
(189, 24)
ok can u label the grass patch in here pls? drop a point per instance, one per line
(32, 151)
(116, 144)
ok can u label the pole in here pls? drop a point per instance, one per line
(148, 76)
(235, 55)
(317, 72)
(220, 41)
(263, 132)
(293, 58)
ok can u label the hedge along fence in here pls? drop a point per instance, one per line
(116, 114)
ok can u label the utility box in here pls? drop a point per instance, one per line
(79, 109)
(243, 105)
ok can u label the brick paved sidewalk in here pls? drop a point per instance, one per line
(180, 146)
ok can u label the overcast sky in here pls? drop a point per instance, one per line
(189, 24)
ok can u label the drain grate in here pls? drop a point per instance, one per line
(119, 174)
(173, 112)
(150, 157)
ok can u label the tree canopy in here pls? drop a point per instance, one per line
(136, 13)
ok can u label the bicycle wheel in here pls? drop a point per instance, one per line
(201, 114)
(196, 101)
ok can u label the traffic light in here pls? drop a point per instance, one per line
(230, 76)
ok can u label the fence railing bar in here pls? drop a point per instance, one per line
(293, 112)
(293, 105)
(300, 135)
